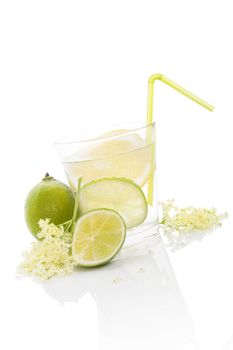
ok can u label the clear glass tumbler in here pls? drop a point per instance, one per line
(127, 152)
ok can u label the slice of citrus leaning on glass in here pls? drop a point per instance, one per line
(119, 194)
(98, 237)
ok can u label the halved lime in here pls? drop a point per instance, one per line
(98, 237)
(119, 194)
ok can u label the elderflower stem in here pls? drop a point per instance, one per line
(74, 218)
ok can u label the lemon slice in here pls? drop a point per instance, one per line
(125, 155)
(119, 194)
(98, 237)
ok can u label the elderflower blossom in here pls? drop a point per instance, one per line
(190, 219)
(183, 226)
(51, 255)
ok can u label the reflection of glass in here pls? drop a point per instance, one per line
(143, 309)
(127, 152)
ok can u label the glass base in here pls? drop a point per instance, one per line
(142, 237)
(137, 234)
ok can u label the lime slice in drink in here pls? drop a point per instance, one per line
(119, 194)
(98, 237)
(124, 155)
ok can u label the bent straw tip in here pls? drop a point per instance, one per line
(156, 76)
(172, 84)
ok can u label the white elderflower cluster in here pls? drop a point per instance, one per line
(182, 226)
(51, 255)
(189, 219)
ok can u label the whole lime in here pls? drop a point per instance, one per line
(48, 199)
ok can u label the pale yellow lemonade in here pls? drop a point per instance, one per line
(122, 156)
(126, 156)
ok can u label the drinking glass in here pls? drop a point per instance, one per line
(127, 151)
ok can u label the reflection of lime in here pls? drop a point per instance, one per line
(119, 194)
(98, 237)
(49, 199)
(125, 155)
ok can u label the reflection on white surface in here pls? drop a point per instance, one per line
(138, 300)
(178, 240)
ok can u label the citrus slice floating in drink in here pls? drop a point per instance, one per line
(98, 237)
(124, 155)
(119, 194)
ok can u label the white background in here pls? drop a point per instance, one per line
(69, 65)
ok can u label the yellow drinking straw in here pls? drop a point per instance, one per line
(150, 118)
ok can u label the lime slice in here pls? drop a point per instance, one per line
(125, 155)
(119, 194)
(98, 237)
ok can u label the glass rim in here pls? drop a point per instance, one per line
(65, 140)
